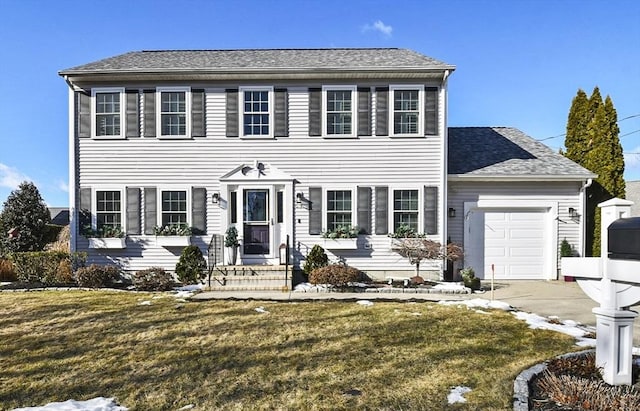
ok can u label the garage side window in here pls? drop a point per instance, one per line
(405, 209)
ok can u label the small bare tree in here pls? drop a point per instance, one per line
(418, 249)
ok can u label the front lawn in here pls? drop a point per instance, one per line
(165, 354)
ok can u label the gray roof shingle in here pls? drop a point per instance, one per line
(262, 59)
(506, 152)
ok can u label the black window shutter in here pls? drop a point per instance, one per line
(198, 113)
(132, 113)
(315, 210)
(382, 210)
(133, 210)
(382, 111)
(364, 111)
(149, 113)
(150, 207)
(199, 210)
(84, 215)
(431, 111)
(431, 210)
(364, 210)
(315, 112)
(233, 207)
(281, 119)
(83, 114)
(232, 113)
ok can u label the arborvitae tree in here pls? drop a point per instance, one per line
(592, 141)
(23, 220)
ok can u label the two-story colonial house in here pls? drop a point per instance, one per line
(296, 142)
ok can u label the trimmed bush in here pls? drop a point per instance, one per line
(469, 278)
(153, 279)
(337, 275)
(315, 259)
(191, 266)
(96, 276)
(46, 267)
(7, 271)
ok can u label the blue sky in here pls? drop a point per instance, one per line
(519, 63)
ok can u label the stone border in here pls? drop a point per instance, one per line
(521, 387)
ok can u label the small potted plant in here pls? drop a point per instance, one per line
(232, 244)
(343, 237)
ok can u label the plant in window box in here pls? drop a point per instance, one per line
(106, 236)
(232, 243)
(173, 235)
(343, 237)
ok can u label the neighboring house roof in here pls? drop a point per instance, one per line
(506, 153)
(59, 215)
(261, 60)
(632, 191)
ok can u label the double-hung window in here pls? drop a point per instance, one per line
(339, 209)
(108, 112)
(407, 111)
(339, 104)
(174, 208)
(256, 111)
(405, 209)
(108, 210)
(173, 118)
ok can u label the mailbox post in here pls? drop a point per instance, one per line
(612, 281)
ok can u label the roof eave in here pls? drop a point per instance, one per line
(513, 178)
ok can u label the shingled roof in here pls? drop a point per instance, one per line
(263, 60)
(505, 152)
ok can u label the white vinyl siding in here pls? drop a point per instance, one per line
(339, 111)
(107, 112)
(173, 107)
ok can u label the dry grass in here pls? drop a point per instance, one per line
(224, 355)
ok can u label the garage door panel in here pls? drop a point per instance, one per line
(492, 252)
(526, 252)
(492, 233)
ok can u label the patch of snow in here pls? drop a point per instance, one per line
(480, 303)
(366, 303)
(482, 312)
(187, 407)
(536, 321)
(457, 394)
(147, 302)
(308, 287)
(5, 283)
(416, 314)
(156, 297)
(190, 287)
(450, 287)
(262, 310)
(95, 404)
(181, 300)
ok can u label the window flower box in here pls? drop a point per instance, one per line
(107, 242)
(340, 243)
(173, 240)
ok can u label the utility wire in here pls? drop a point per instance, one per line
(619, 121)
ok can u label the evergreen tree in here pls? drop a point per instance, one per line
(576, 138)
(23, 220)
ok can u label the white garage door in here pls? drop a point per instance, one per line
(512, 241)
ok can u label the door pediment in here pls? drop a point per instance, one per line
(256, 171)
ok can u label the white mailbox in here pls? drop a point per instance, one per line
(614, 283)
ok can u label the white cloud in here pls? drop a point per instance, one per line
(632, 160)
(10, 177)
(62, 186)
(378, 26)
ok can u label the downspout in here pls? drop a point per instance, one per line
(583, 220)
(445, 165)
(72, 168)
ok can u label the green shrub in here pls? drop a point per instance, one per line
(336, 274)
(7, 271)
(46, 267)
(191, 266)
(96, 276)
(315, 259)
(565, 249)
(469, 278)
(153, 279)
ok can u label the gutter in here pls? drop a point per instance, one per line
(72, 167)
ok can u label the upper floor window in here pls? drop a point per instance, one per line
(339, 209)
(174, 108)
(108, 112)
(339, 111)
(405, 209)
(174, 208)
(407, 110)
(108, 210)
(257, 111)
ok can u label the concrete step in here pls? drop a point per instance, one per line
(246, 288)
(250, 278)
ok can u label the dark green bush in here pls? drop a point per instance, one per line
(96, 276)
(315, 259)
(153, 279)
(565, 249)
(336, 274)
(469, 278)
(51, 232)
(46, 267)
(191, 266)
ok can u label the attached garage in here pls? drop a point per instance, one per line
(512, 243)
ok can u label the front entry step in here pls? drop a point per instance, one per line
(250, 278)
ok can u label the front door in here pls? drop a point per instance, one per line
(256, 222)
